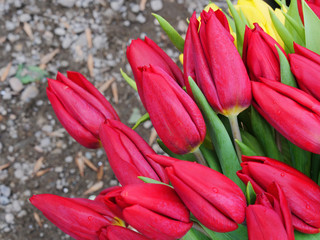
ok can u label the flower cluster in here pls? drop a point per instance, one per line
(254, 177)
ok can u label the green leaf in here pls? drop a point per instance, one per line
(265, 135)
(142, 119)
(230, 21)
(187, 157)
(285, 72)
(294, 12)
(283, 32)
(296, 29)
(252, 143)
(312, 29)
(173, 35)
(150, 180)
(194, 234)
(301, 159)
(304, 236)
(285, 150)
(211, 158)
(315, 167)
(30, 73)
(220, 138)
(129, 80)
(239, 234)
(250, 194)
(240, 26)
(245, 150)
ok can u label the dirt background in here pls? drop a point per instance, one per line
(36, 153)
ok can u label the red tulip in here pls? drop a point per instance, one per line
(174, 115)
(302, 194)
(154, 210)
(213, 61)
(82, 219)
(80, 107)
(126, 152)
(290, 111)
(260, 54)
(305, 65)
(120, 233)
(216, 201)
(270, 217)
(143, 53)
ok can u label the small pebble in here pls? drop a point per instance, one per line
(15, 84)
(29, 93)
(156, 5)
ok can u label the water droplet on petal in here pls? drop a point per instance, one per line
(214, 189)
(282, 174)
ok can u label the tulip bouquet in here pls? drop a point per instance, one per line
(240, 127)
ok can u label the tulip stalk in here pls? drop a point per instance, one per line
(197, 153)
(235, 133)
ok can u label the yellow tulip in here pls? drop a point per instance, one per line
(257, 11)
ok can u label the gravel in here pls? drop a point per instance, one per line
(29, 129)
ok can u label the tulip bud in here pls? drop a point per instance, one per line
(305, 66)
(143, 53)
(270, 217)
(126, 152)
(290, 111)
(174, 115)
(302, 194)
(216, 201)
(214, 63)
(80, 107)
(80, 218)
(260, 54)
(154, 210)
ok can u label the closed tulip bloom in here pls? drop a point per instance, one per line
(269, 217)
(126, 152)
(173, 113)
(80, 107)
(302, 194)
(213, 61)
(305, 65)
(154, 210)
(292, 112)
(216, 201)
(145, 52)
(260, 54)
(82, 219)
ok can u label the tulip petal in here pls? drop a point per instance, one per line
(74, 128)
(78, 221)
(204, 211)
(264, 223)
(157, 198)
(78, 107)
(213, 186)
(121, 233)
(77, 82)
(154, 225)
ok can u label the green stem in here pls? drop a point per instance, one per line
(197, 153)
(235, 133)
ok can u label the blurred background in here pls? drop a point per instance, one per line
(37, 39)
